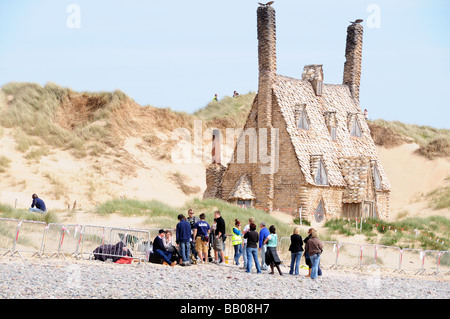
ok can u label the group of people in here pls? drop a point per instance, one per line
(195, 238)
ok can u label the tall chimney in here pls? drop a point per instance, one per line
(267, 63)
(267, 58)
(353, 56)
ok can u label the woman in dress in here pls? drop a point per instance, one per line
(272, 258)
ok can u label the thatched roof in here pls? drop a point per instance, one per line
(292, 94)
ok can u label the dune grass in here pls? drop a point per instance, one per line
(229, 107)
(433, 143)
(59, 116)
(7, 211)
(417, 232)
(439, 198)
(4, 163)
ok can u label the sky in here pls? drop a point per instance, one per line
(178, 54)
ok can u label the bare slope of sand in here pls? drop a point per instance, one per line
(413, 176)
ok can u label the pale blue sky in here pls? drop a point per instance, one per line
(179, 53)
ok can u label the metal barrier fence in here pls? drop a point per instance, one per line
(8, 231)
(29, 238)
(23, 237)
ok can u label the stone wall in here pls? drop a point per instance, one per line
(214, 175)
(288, 179)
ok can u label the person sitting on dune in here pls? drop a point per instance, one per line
(38, 205)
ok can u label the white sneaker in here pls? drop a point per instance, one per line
(222, 263)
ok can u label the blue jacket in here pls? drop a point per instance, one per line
(158, 244)
(39, 203)
(183, 233)
(263, 235)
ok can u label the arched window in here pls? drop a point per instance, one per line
(319, 214)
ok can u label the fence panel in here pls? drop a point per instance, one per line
(430, 261)
(329, 254)
(136, 240)
(30, 237)
(62, 240)
(92, 237)
(52, 239)
(8, 232)
(349, 255)
(71, 240)
(368, 255)
(444, 263)
(411, 260)
(388, 257)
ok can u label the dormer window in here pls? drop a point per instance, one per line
(302, 118)
(318, 170)
(332, 131)
(330, 122)
(318, 89)
(321, 175)
(354, 126)
(376, 178)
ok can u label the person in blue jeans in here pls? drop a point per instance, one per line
(160, 250)
(296, 249)
(236, 241)
(252, 248)
(264, 232)
(307, 259)
(38, 205)
(314, 248)
(183, 238)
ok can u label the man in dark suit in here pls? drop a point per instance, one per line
(160, 250)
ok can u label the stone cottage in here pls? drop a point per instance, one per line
(307, 145)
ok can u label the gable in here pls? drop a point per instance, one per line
(242, 190)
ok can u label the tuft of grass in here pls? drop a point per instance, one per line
(59, 187)
(439, 198)
(4, 163)
(438, 147)
(36, 153)
(23, 141)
